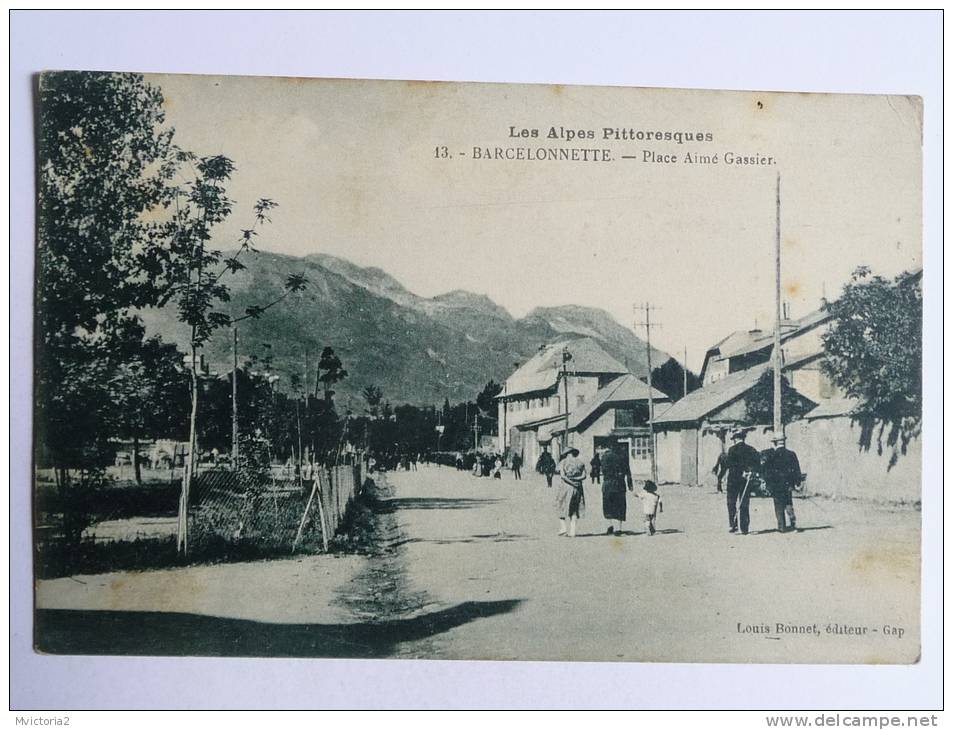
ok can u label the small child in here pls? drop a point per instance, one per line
(651, 503)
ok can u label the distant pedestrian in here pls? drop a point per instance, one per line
(546, 466)
(595, 469)
(741, 464)
(517, 465)
(651, 505)
(498, 467)
(459, 461)
(720, 469)
(477, 466)
(617, 479)
(782, 475)
(571, 499)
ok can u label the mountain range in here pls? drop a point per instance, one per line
(416, 349)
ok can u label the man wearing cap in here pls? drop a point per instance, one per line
(570, 499)
(782, 474)
(740, 464)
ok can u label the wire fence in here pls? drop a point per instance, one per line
(232, 515)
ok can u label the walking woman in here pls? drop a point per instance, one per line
(616, 478)
(571, 500)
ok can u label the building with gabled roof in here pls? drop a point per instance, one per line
(595, 394)
(692, 433)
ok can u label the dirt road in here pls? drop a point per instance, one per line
(677, 596)
(472, 568)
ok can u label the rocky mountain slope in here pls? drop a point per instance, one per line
(416, 349)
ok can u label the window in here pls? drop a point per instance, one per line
(580, 399)
(640, 448)
(624, 418)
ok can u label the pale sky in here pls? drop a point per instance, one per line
(352, 165)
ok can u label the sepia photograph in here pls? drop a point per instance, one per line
(367, 369)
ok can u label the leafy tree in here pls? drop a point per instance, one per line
(150, 390)
(874, 352)
(874, 344)
(373, 397)
(759, 403)
(330, 371)
(486, 400)
(670, 378)
(104, 163)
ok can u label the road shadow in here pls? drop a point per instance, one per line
(465, 540)
(397, 503)
(775, 530)
(628, 533)
(153, 633)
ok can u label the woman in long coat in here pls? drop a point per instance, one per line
(570, 499)
(616, 478)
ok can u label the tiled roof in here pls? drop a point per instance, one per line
(541, 370)
(623, 389)
(742, 342)
(699, 403)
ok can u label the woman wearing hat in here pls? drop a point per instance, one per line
(570, 499)
(616, 479)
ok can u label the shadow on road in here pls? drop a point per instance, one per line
(629, 533)
(186, 634)
(465, 540)
(775, 530)
(392, 505)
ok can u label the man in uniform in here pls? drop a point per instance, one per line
(782, 474)
(740, 463)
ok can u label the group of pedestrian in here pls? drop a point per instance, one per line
(487, 465)
(741, 465)
(612, 471)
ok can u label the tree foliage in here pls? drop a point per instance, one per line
(125, 221)
(874, 344)
(486, 399)
(372, 397)
(104, 166)
(759, 402)
(670, 377)
(331, 371)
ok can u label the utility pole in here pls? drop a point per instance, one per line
(476, 431)
(503, 405)
(778, 425)
(567, 356)
(685, 372)
(647, 310)
(304, 395)
(234, 397)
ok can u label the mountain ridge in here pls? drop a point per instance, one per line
(416, 349)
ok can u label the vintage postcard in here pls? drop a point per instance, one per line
(383, 369)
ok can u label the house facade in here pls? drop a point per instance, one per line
(693, 432)
(573, 392)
